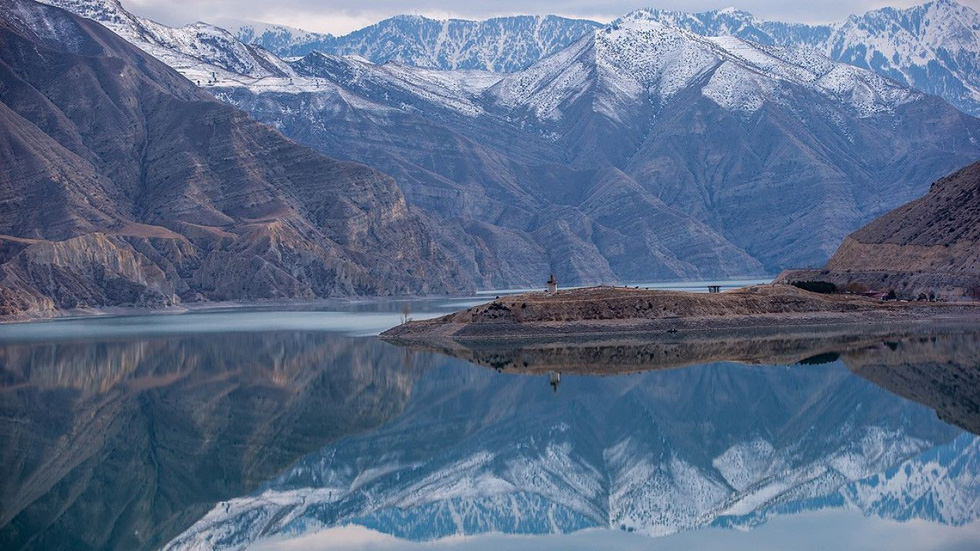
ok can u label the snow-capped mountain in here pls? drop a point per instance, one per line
(501, 44)
(686, 116)
(203, 53)
(657, 453)
(639, 58)
(933, 47)
(606, 101)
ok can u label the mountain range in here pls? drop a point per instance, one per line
(642, 150)
(932, 47)
(501, 44)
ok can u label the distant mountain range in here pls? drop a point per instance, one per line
(933, 47)
(501, 44)
(642, 150)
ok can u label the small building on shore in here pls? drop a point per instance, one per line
(552, 285)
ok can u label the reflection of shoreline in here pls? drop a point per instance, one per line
(938, 367)
(941, 372)
(611, 355)
(123, 444)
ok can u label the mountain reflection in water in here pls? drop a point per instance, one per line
(226, 439)
(123, 444)
(477, 451)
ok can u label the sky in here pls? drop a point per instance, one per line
(343, 16)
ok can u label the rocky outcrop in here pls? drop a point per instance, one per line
(928, 248)
(86, 270)
(123, 184)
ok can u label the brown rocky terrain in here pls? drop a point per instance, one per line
(124, 184)
(929, 247)
(605, 310)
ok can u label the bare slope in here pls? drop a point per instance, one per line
(124, 184)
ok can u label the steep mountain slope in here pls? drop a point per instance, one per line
(201, 52)
(501, 44)
(930, 246)
(131, 186)
(743, 138)
(505, 188)
(761, 143)
(657, 453)
(933, 47)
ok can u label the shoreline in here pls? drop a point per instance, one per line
(103, 311)
(293, 304)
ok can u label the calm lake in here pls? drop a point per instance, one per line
(270, 429)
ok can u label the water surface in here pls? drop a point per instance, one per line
(271, 429)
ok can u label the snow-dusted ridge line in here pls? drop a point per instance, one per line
(495, 44)
(636, 58)
(933, 47)
(203, 53)
(645, 53)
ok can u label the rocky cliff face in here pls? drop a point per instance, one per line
(929, 247)
(125, 184)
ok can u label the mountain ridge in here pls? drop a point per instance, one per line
(748, 149)
(892, 42)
